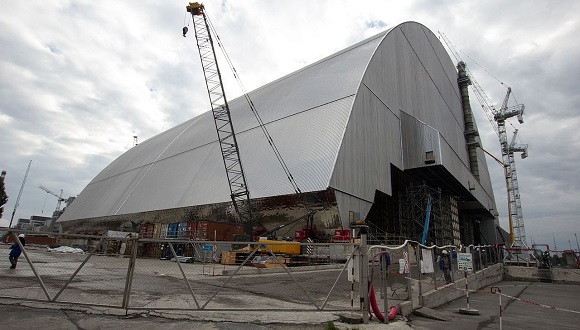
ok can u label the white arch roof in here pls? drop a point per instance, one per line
(337, 123)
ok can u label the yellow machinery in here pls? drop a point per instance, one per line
(281, 247)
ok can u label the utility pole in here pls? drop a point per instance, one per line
(19, 194)
(577, 246)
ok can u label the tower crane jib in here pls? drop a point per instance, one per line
(56, 213)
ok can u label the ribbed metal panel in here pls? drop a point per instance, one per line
(418, 139)
(332, 78)
(305, 111)
(410, 72)
(370, 145)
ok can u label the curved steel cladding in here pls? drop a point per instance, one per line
(339, 123)
(407, 107)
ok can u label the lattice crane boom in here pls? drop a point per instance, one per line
(239, 192)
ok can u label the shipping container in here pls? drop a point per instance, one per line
(204, 230)
(157, 230)
(143, 230)
(222, 231)
(190, 234)
(172, 230)
(164, 229)
(146, 230)
(182, 230)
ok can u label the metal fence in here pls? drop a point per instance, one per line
(135, 273)
(414, 261)
(170, 274)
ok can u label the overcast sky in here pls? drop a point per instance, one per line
(78, 79)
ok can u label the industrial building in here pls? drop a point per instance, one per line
(35, 221)
(381, 131)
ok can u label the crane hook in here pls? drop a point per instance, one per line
(185, 29)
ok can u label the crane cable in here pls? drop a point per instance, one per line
(489, 73)
(254, 111)
(458, 58)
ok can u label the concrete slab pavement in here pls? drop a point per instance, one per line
(516, 314)
(19, 316)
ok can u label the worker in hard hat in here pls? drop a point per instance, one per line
(445, 265)
(15, 251)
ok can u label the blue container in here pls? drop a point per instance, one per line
(172, 230)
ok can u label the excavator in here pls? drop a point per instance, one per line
(239, 192)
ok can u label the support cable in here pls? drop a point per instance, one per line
(255, 111)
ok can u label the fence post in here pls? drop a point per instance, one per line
(418, 257)
(407, 263)
(130, 271)
(384, 275)
(364, 280)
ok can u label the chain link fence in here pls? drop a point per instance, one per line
(179, 274)
(425, 264)
(173, 274)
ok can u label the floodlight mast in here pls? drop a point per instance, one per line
(239, 192)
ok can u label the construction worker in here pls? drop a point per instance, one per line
(445, 265)
(15, 251)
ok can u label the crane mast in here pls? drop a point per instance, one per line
(19, 194)
(497, 118)
(239, 192)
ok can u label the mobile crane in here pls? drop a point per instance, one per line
(239, 192)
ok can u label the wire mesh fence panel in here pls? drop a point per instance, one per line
(398, 272)
(184, 274)
(99, 281)
(214, 275)
(21, 282)
(66, 275)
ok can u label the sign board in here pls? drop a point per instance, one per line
(118, 234)
(427, 262)
(464, 261)
(354, 268)
(208, 247)
(401, 266)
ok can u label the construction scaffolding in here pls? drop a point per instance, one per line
(443, 219)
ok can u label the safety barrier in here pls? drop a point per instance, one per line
(424, 264)
(133, 273)
(143, 274)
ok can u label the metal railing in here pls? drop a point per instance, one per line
(133, 273)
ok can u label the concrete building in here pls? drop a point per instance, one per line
(369, 132)
(35, 221)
